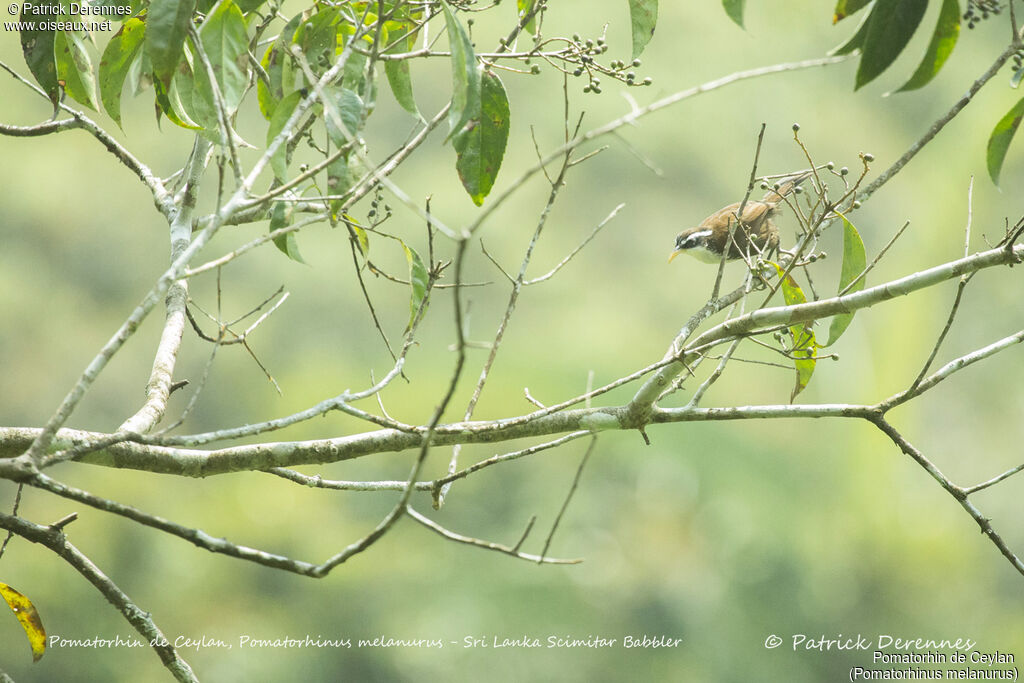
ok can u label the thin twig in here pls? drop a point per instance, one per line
(140, 619)
(486, 545)
(568, 497)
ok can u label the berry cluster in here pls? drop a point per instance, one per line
(977, 10)
(582, 52)
(376, 204)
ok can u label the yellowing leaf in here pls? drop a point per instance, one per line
(805, 347)
(26, 613)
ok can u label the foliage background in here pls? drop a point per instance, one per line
(719, 534)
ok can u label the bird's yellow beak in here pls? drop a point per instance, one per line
(675, 253)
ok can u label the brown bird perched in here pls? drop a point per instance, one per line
(756, 235)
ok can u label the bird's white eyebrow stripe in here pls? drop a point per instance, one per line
(700, 233)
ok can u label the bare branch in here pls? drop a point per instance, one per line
(140, 620)
(487, 545)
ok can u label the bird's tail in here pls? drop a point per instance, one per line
(775, 195)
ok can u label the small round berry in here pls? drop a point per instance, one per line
(798, 190)
(796, 127)
(535, 69)
(844, 171)
(648, 81)
(636, 62)
(830, 165)
(856, 204)
(869, 157)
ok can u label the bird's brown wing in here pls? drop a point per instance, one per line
(754, 214)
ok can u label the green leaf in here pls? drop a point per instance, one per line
(227, 47)
(398, 72)
(524, 7)
(465, 76)
(283, 112)
(481, 147)
(115, 63)
(351, 111)
(360, 236)
(27, 615)
(804, 345)
(418, 278)
(37, 46)
(947, 30)
(890, 28)
(277, 64)
(280, 216)
(845, 8)
(167, 24)
(249, 5)
(349, 107)
(643, 16)
(856, 41)
(999, 140)
(854, 262)
(734, 8)
(74, 67)
(169, 103)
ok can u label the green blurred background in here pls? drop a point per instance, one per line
(718, 534)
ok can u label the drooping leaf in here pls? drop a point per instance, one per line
(999, 140)
(169, 103)
(845, 8)
(856, 41)
(349, 108)
(643, 17)
(465, 76)
(27, 615)
(890, 28)
(398, 72)
(524, 7)
(947, 30)
(481, 147)
(734, 8)
(854, 262)
(115, 63)
(804, 350)
(277, 64)
(361, 237)
(283, 112)
(37, 46)
(418, 278)
(281, 216)
(140, 75)
(74, 68)
(167, 23)
(226, 45)
(196, 102)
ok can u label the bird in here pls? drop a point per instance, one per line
(755, 235)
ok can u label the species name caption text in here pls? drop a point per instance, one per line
(895, 658)
(628, 642)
